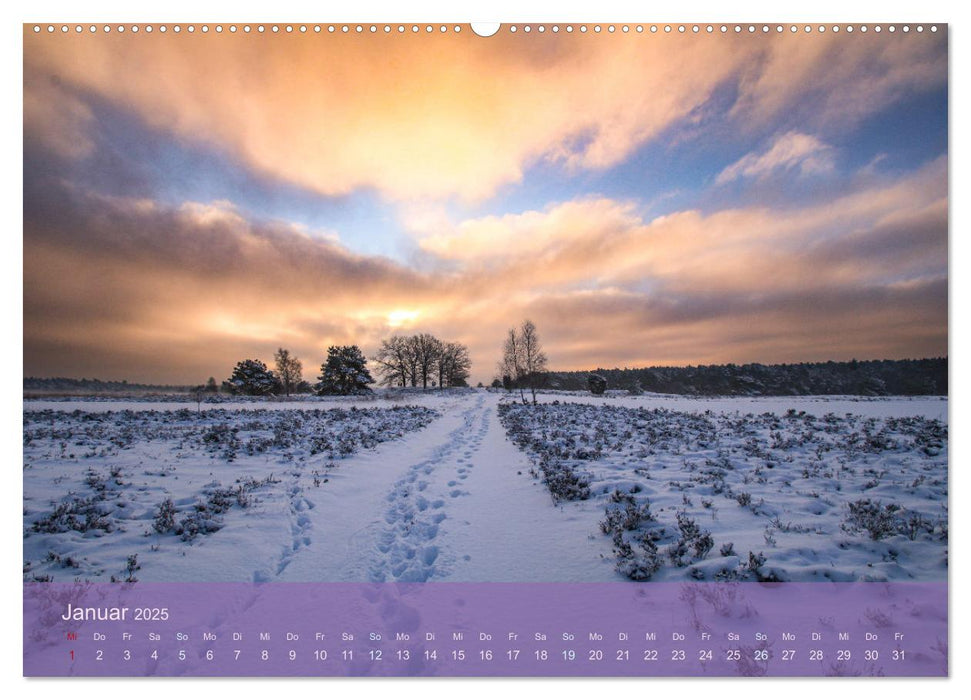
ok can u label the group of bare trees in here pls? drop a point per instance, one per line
(414, 360)
(417, 360)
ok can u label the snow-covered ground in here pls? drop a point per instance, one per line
(427, 487)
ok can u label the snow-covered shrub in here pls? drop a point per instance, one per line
(597, 384)
(164, 517)
(638, 564)
(198, 522)
(623, 513)
(876, 519)
(78, 514)
(565, 484)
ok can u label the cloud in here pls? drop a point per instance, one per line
(529, 234)
(172, 291)
(60, 119)
(119, 287)
(790, 151)
(436, 116)
(832, 81)
(861, 274)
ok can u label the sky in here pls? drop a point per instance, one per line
(645, 199)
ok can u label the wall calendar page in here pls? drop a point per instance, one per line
(514, 350)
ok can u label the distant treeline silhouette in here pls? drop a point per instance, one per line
(859, 378)
(65, 385)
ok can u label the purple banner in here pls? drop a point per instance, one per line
(486, 629)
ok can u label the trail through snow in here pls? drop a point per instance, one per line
(452, 502)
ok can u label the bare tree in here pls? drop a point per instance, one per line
(453, 365)
(288, 369)
(396, 362)
(426, 350)
(509, 365)
(523, 359)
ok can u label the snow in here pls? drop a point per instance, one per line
(428, 486)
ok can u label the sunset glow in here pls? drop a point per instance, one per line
(190, 201)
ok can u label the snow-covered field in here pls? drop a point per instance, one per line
(473, 487)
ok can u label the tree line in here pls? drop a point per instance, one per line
(417, 360)
(924, 377)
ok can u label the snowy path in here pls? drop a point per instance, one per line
(437, 492)
(452, 502)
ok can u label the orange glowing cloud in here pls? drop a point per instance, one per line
(432, 116)
(134, 288)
